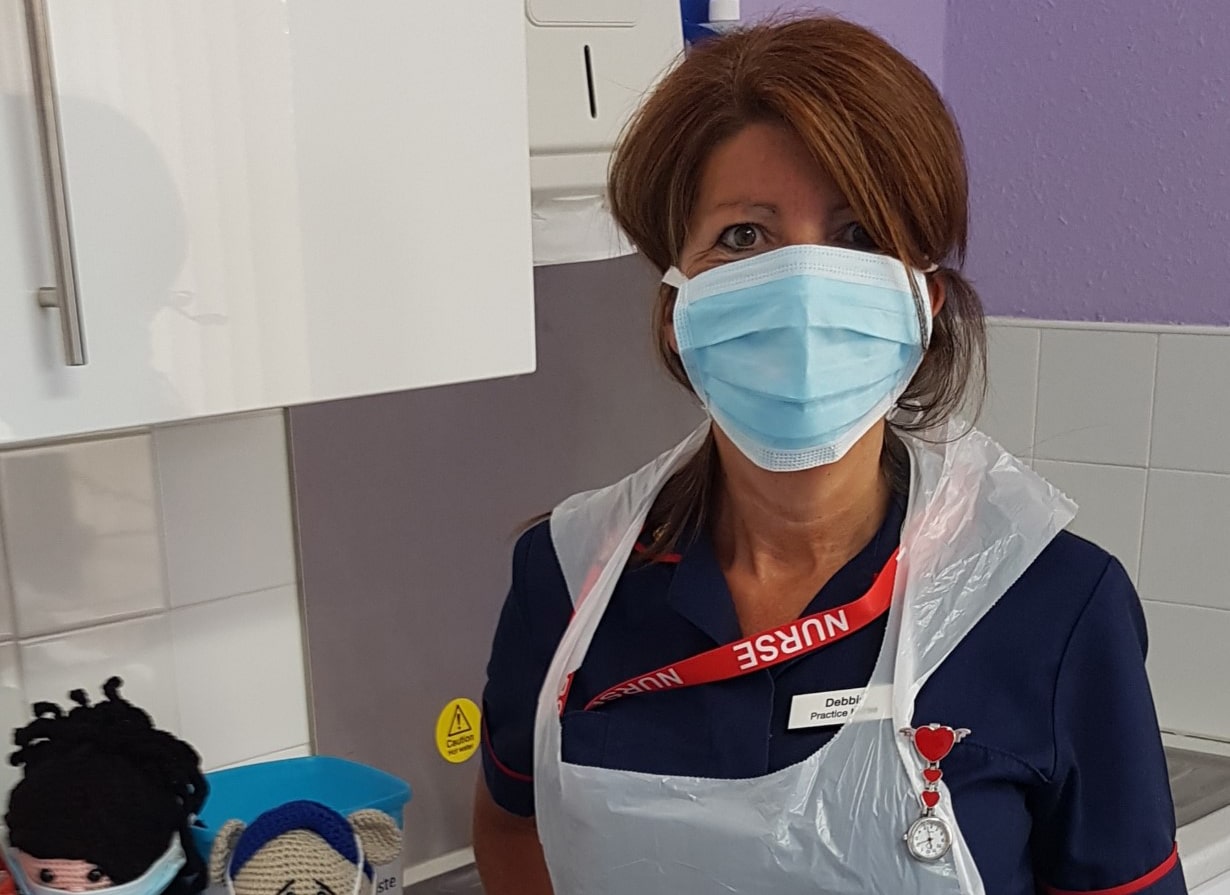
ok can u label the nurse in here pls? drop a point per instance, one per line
(834, 641)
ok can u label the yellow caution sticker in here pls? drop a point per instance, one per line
(457, 731)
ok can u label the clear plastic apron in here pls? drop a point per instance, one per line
(834, 823)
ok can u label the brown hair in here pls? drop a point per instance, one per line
(878, 126)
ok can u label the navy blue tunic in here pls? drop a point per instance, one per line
(1061, 785)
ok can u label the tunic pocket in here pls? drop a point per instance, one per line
(584, 737)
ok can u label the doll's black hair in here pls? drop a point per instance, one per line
(101, 784)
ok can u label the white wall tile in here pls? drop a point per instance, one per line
(1187, 668)
(1095, 396)
(14, 713)
(1112, 505)
(81, 528)
(1186, 552)
(240, 671)
(139, 651)
(1191, 416)
(226, 507)
(1012, 387)
(303, 750)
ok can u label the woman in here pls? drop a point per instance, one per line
(819, 646)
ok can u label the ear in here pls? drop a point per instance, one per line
(936, 287)
(379, 834)
(223, 848)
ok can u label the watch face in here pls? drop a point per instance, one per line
(929, 839)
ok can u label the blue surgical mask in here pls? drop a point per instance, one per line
(798, 352)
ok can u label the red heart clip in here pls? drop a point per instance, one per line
(934, 742)
(932, 775)
(930, 798)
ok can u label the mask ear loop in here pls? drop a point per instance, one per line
(674, 277)
(926, 325)
(358, 883)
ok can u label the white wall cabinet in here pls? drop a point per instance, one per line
(272, 202)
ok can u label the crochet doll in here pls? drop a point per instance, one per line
(304, 848)
(106, 801)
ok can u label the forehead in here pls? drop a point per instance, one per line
(65, 864)
(765, 164)
(303, 854)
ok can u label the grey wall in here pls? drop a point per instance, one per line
(407, 504)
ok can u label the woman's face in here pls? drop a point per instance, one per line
(760, 190)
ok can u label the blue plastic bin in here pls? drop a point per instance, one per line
(345, 786)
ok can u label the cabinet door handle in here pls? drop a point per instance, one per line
(65, 295)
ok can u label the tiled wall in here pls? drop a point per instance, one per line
(166, 557)
(1133, 422)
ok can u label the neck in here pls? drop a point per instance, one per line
(810, 522)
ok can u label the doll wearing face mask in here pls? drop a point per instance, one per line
(106, 802)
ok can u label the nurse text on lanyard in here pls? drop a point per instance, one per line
(766, 649)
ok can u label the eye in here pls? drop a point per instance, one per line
(46, 876)
(740, 237)
(95, 875)
(855, 236)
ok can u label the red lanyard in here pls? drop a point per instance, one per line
(766, 649)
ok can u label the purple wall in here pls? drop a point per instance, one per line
(1099, 142)
(916, 27)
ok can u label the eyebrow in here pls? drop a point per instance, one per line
(324, 886)
(286, 885)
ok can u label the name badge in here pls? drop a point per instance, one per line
(836, 707)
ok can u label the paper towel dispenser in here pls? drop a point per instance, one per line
(590, 63)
